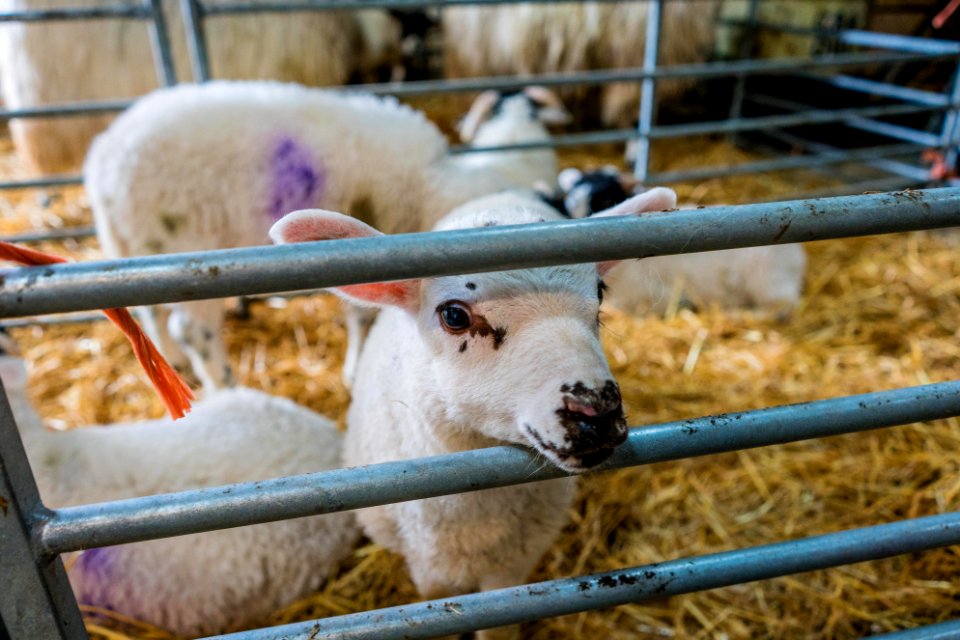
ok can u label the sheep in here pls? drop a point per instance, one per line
(203, 583)
(109, 60)
(460, 362)
(767, 278)
(537, 38)
(193, 168)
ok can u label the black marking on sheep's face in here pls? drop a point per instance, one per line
(457, 318)
(601, 287)
(472, 286)
(505, 96)
(490, 223)
(603, 428)
(172, 222)
(604, 191)
(463, 346)
(363, 210)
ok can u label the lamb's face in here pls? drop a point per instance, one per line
(517, 356)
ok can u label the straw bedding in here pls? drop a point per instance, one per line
(878, 313)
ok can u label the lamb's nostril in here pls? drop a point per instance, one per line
(575, 406)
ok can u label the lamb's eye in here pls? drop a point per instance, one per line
(455, 316)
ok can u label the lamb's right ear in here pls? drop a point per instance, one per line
(656, 199)
(568, 178)
(311, 225)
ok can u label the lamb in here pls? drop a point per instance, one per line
(767, 278)
(461, 362)
(204, 583)
(537, 38)
(193, 168)
(110, 60)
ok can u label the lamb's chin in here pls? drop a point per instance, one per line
(569, 462)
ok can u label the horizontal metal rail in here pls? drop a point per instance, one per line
(78, 13)
(71, 109)
(39, 183)
(943, 631)
(776, 66)
(884, 89)
(333, 5)
(52, 234)
(136, 519)
(895, 131)
(779, 164)
(513, 605)
(257, 270)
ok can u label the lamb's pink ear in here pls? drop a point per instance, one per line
(656, 199)
(311, 225)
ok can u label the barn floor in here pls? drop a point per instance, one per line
(878, 313)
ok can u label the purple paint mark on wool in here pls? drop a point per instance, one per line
(96, 564)
(297, 182)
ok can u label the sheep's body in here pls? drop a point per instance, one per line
(202, 583)
(768, 278)
(108, 60)
(213, 166)
(536, 38)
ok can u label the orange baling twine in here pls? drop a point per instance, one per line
(174, 392)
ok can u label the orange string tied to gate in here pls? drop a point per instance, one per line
(173, 391)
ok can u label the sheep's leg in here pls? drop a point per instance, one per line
(358, 320)
(154, 322)
(198, 326)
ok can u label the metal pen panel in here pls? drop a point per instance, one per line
(230, 272)
(648, 86)
(513, 605)
(193, 16)
(36, 600)
(135, 519)
(160, 42)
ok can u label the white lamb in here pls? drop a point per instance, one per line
(766, 278)
(112, 59)
(210, 166)
(203, 583)
(461, 362)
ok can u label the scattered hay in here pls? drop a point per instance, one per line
(878, 313)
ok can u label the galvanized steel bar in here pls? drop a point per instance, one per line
(38, 183)
(160, 42)
(333, 5)
(71, 109)
(648, 87)
(110, 523)
(895, 131)
(885, 89)
(257, 270)
(776, 66)
(949, 630)
(460, 614)
(51, 234)
(33, 321)
(747, 45)
(36, 600)
(825, 158)
(78, 13)
(193, 15)
(861, 38)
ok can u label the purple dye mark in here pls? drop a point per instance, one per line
(95, 563)
(297, 183)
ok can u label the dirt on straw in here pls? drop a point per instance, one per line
(878, 313)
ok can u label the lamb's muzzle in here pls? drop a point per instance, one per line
(594, 425)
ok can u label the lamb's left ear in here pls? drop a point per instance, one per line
(311, 225)
(656, 199)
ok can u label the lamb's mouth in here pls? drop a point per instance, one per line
(567, 459)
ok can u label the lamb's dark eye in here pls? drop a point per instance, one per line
(455, 316)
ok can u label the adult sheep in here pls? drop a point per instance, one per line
(52, 63)
(524, 39)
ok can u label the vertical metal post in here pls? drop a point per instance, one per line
(160, 43)
(196, 39)
(950, 133)
(36, 600)
(651, 50)
(747, 44)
